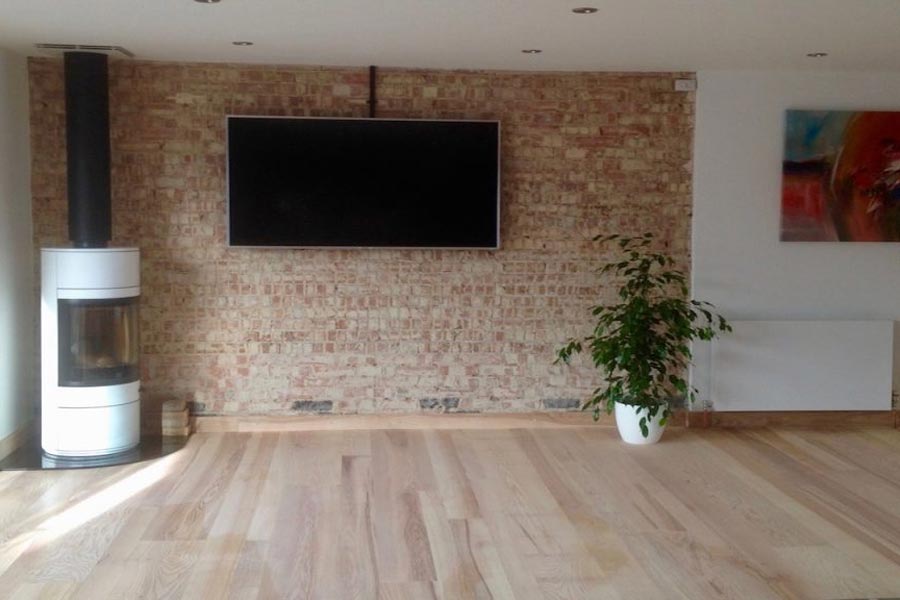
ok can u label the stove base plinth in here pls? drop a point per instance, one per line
(92, 431)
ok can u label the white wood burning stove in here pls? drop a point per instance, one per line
(90, 376)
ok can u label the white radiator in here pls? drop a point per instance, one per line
(802, 365)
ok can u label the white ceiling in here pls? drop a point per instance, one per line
(486, 34)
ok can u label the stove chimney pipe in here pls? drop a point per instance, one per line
(87, 149)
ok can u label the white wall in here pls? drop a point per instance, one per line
(803, 365)
(17, 310)
(738, 262)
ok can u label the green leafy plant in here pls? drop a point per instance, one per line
(641, 343)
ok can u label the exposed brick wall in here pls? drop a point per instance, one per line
(276, 331)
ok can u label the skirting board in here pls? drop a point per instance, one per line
(254, 423)
(17, 438)
(807, 419)
(534, 420)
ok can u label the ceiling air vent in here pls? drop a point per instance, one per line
(110, 50)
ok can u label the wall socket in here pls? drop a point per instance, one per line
(685, 85)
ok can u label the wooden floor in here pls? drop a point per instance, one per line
(511, 513)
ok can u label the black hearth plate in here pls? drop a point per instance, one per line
(31, 456)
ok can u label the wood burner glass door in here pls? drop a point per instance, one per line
(98, 342)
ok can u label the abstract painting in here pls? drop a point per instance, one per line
(841, 177)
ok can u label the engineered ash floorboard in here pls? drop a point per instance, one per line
(478, 513)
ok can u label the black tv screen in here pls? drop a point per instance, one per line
(323, 182)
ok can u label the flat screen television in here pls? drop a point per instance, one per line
(333, 182)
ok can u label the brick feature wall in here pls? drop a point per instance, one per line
(241, 331)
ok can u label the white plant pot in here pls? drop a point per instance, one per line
(628, 420)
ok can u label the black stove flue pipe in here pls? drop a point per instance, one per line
(87, 149)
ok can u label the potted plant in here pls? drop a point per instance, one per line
(641, 342)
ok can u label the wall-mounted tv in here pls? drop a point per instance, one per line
(368, 183)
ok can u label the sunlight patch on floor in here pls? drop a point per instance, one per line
(110, 497)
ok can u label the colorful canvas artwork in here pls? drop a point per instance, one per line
(841, 177)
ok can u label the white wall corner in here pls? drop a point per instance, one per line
(17, 302)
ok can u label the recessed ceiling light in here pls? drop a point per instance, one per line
(207, 1)
(817, 54)
(242, 43)
(584, 10)
(532, 51)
